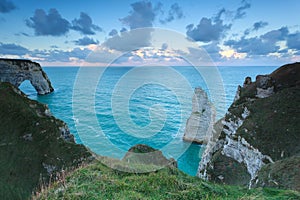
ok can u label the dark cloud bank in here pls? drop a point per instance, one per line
(6, 6)
(53, 24)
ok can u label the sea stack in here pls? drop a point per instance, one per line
(199, 125)
(16, 71)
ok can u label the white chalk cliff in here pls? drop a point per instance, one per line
(16, 71)
(200, 124)
(260, 127)
(234, 147)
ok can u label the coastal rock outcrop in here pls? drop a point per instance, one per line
(144, 154)
(260, 134)
(199, 125)
(16, 71)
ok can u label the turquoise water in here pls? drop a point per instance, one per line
(143, 107)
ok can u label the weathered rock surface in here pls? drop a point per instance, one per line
(147, 155)
(260, 133)
(16, 71)
(199, 125)
(34, 145)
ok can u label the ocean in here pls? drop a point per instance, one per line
(111, 109)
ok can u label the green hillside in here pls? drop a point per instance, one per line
(97, 181)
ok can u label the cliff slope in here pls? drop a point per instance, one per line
(260, 134)
(16, 71)
(33, 144)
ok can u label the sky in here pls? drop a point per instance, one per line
(231, 32)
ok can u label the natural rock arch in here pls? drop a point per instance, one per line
(16, 71)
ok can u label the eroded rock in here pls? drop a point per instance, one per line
(260, 132)
(199, 125)
(16, 71)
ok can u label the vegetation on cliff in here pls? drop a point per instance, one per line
(97, 181)
(33, 144)
(270, 131)
(38, 155)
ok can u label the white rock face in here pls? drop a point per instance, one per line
(199, 126)
(243, 152)
(236, 148)
(263, 93)
(17, 71)
(232, 148)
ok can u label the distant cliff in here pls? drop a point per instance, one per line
(16, 71)
(259, 141)
(200, 124)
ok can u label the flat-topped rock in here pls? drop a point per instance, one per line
(15, 71)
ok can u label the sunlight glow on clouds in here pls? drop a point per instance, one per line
(232, 54)
(76, 33)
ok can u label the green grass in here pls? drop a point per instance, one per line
(97, 181)
(281, 174)
(21, 160)
(275, 131)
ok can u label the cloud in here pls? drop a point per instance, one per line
(150, 56)
(22, 34)
(123, 30)
(103, 54)
(164, 46)
(86, 41)
(129, 40)
(255, 27)
(253, 46)
(51, 24)
(142, 15)
(276, 35)
(214, 28)
(175, 12)
(213, 49)
(207, 30)
(55, 55)
(113, 32)
(240, 12)
(293, 41)
(6, 6)
(85, 25)
(262, 45)
(259, 25)
(217, 18)
(12, 49)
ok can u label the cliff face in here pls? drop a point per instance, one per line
(200, 124)
(17, 71)
(34, 145)
(260, 133)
